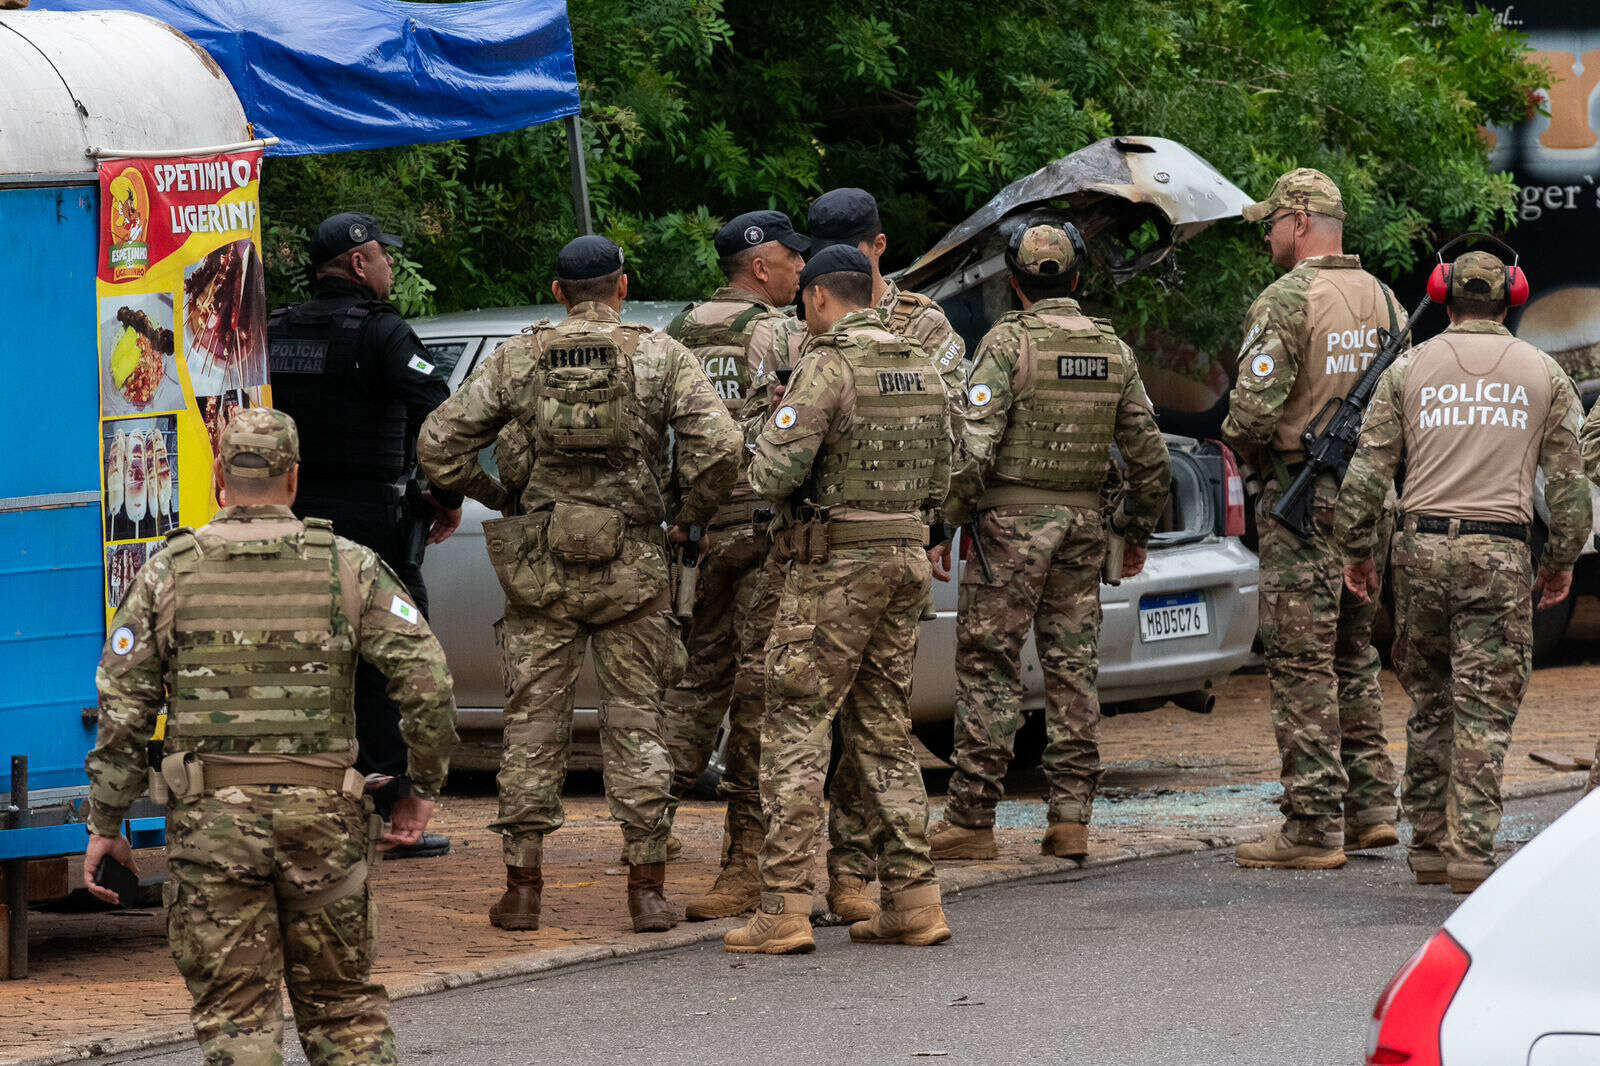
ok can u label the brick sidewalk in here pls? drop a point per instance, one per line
(1174, 781)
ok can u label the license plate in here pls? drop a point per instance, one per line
(1171, 617)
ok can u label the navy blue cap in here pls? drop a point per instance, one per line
(834, 259)
(344, 231)
(588, 257)
(755, 228)
(842, 216)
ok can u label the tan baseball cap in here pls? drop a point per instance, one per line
(1303, 189)
(1480, 275)
(1046, 251)
(260, 442)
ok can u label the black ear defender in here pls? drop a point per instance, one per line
(1442, 280)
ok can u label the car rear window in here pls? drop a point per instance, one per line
(445, 354)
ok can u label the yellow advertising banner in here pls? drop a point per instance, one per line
(182, 312)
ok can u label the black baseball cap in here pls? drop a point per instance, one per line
(588, 257)
(834, 259)
(755, 228)
(843, 216)
(344, 231)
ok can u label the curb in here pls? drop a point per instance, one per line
(953, 881)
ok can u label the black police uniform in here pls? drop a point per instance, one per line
(358, 382)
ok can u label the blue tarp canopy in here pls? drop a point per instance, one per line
(335, 76)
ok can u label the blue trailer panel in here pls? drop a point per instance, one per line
(53, 621)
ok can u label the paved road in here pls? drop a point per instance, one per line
(1188, 961)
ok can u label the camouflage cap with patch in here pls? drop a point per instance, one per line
(260, 442)
(1480, 275)
(1303, 189)
(1046, 251)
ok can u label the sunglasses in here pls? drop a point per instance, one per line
(1268, 224)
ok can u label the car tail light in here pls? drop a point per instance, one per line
(1406, 1022)
(1233, 487)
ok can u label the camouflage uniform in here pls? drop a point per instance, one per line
(736, 336)
(268, 881)
(846, 631)
(1463, 644)
(918, 318)
(1050, 391)
(1327, 708)
(584, 559)
(1589, 442)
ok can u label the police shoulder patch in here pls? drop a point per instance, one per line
(980, 395)
(1253, 336)
(785, 418)
(1262, 365)
(122, 641)
(420, 365)
(951, 352)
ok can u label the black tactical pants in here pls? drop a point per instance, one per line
(398, 537)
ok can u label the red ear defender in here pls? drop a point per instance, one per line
(1439, 284)
(1517, 287)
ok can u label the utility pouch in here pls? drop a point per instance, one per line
(586, 535)
(1111, 569)
(160, 794)
(516, 547)
(814, 542)
(183, 774)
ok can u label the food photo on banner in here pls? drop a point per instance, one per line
(183, 321)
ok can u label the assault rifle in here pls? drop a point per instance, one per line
(1329, 448)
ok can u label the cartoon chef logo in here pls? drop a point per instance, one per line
(785, 418)
(128, 207)
(980, 395)
(122, 641)
(1263, 365)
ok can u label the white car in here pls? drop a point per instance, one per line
(1512, 976)
(1170, 634)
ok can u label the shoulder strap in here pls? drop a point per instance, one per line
(676, 325)
(1388, 299)
(319, 538)
(739, 324)
(183, 548)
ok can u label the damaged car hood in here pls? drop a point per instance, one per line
(1133, 198)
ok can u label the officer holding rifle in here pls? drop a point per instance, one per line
(1307, 339)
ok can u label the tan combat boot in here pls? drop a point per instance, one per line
(781, 927)
(913, 917)
(737, 890)
(1066, 840)
(1465, 877)
(1367, 837)
(647, 903)
(953, 842)
(1278, 852)
(848, 898)
(1429, 866)
(518, 908)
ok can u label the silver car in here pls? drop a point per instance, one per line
(1170, 634)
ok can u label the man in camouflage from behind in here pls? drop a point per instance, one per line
(850, 217)
(1307, 338)
(1051, 391)
(582, 559)
(247, 632)
(855, 453)
(1589, 443)
(737, 336)
(1475, 413)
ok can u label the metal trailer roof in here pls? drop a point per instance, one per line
(104, 80)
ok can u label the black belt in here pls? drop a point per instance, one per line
(1428, 523)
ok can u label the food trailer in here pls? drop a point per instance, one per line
(79, 88)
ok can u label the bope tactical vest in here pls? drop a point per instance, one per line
(720, 345)
(1059, 437)
(582, 407)
(887, 461)
(259, 670)
(321, 376)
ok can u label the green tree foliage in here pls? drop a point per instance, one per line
(694, 110)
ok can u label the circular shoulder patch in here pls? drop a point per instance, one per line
(785, 418)
(980, 395)
(1263, 365)
(122, 641)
